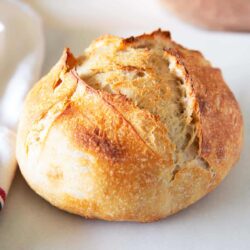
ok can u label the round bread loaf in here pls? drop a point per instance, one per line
(135, 129)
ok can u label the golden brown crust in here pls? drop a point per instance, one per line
(220, 119)
(103, 154)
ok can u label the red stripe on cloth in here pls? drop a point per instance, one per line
(2, 194)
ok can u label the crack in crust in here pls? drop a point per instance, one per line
(62, 89)
(124, 77)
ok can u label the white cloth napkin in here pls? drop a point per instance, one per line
(21, 57)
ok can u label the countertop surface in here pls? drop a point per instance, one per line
(221, 220)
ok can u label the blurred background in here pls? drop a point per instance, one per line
(75, 23)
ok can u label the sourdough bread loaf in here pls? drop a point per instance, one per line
(134, 129)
